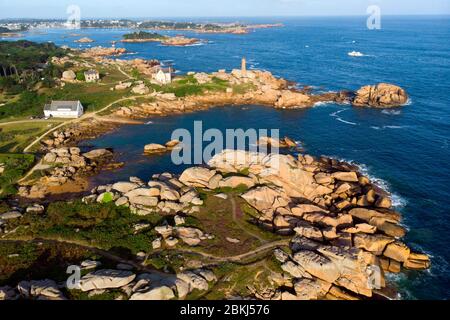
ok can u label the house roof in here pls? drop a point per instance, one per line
(59, 105)
(89, 72)
(163, 69)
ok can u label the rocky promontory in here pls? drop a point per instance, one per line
(344, 234)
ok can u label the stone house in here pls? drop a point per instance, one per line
(91, 76)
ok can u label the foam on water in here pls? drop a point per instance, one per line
(391, 112)
(388, 127)
(335, 115)
(322, 103)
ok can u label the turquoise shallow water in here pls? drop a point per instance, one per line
(407, 149)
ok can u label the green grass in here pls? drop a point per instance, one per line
(93, 96)
(188, 86)
(27, 103)
(15, 137)
(30, 261)
(16, 165)
(111, 75)
(102, 225)
(84, 296)
(243, 88)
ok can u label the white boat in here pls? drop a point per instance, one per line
(355, 54)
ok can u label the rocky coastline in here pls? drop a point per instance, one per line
(343, 234)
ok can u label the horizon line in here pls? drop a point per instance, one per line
(232, 17)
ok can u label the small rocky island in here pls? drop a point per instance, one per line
(84, 40)
(142, 36)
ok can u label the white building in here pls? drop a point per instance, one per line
(163, 75)
(64, 109)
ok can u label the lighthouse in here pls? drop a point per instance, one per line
(244, 67)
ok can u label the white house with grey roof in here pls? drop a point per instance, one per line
(64, 109)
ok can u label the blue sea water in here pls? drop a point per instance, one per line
(407, 150)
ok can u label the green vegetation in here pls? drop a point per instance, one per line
(16, 136)
(101, 225)
(23, 64)
(94, 96)
(188, 86)
(142, 35)
(29, 103)
(80, 75)
(26, 261)
(85, 296)
(15, 166)
(243, 88)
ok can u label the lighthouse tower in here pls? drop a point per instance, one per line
(244, 67)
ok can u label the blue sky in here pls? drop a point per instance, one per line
(215, 8)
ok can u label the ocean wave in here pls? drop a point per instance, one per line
(391, 112)
(149, 122)
(388, 127)
(409, 102)
(347, 122)
(398, 201)
(322, 103)
(335, 115)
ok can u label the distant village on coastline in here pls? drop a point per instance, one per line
(20, 25)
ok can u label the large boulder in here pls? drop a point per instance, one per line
(154, 148)
(98, 154)
(106, 279)
(311, 289)
(41, 289)
(382, 95)
(124, 187)
(236, 181)
(197, 177)
(160, 293)
(190, 236)
(343, 267)
(372, 243)
(69, 75)
(292, 99)
(194, 280)
(266, 200)
(280, 170)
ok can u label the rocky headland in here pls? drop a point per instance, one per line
(342, 233)
(264, 89)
